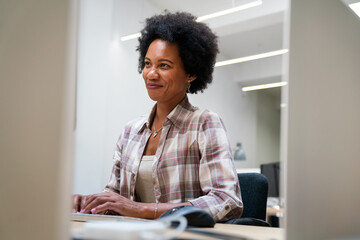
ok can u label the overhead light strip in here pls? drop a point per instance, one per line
(206, 17)
(251, 58)
(263, 86)
(228, 11)
(129, 37)
(356, 8)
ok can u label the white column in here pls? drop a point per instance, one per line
(37, 62)
(324, 114)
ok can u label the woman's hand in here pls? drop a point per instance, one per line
(78, 202)
(101, 202)
(114, 202)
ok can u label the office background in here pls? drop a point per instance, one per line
(37, 79)
(111, 92)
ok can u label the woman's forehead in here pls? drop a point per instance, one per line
(163, 49)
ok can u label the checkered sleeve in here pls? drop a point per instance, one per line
(217, 173)
(114, 182)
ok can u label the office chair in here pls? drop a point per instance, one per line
(254, 193)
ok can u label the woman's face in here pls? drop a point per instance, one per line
(165, 78)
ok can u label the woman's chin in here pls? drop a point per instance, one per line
(154, 97)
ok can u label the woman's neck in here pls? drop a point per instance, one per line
(162, 110)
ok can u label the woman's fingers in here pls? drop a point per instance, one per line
(104, 207)
(100, 202)
(91, 198)
(76, 203)
(82, 203)
(93, 201)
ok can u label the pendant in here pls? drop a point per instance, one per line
(154, 134)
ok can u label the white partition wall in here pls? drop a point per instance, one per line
(36, 118)
(324, 114)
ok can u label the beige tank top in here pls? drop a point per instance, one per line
(144, 186)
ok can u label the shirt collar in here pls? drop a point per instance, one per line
(177, 116)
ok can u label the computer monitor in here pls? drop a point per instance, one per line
(272, 172)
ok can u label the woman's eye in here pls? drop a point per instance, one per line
(147, 64)
(164, 65)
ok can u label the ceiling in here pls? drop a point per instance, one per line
(248, 32)
(252, 31)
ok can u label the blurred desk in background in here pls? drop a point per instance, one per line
(273, 215)
(237, 231)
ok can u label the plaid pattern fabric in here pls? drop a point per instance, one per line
(193, 161)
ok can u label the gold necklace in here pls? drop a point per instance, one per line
(155, 132)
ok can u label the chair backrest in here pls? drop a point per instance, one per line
(254, 193)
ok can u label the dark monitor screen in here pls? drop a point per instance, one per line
(272, 172)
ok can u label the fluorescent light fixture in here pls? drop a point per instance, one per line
(209, 16)
(230, 10)
(132, 36)
(263, 86)
(356, 8)
(251, 58)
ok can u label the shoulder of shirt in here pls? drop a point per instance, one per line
(135, 124)
(205, 114)
(207, 119)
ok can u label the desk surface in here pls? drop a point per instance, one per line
(250, 232)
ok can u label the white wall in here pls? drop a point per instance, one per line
(324, 133)
(111, 91)
(268, 128)
(92, 82)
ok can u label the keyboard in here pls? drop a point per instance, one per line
(81, 217)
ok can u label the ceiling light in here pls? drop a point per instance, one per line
(356, 8)
(209, 16)
(263, 86)
(230, 10)
(251, 58)
(129, 37)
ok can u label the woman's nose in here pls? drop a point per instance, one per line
(153, 74)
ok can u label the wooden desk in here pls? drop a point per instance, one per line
(250, 232)
(274, 212)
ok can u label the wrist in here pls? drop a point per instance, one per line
(156, 211)
(148, 211)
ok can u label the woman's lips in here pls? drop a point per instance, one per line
(153, 86)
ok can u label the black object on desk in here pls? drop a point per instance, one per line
(195, 216)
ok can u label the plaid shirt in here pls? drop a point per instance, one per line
(193, 161)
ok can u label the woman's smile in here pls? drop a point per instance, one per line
(153, 86)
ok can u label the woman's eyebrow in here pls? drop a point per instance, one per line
(165, 60)
(161, 60)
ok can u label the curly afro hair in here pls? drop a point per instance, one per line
(196, 42)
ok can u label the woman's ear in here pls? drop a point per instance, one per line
(191, 78)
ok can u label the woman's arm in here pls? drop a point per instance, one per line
(101, 202)
(217, 173)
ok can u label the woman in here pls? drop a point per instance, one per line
(178, 155)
